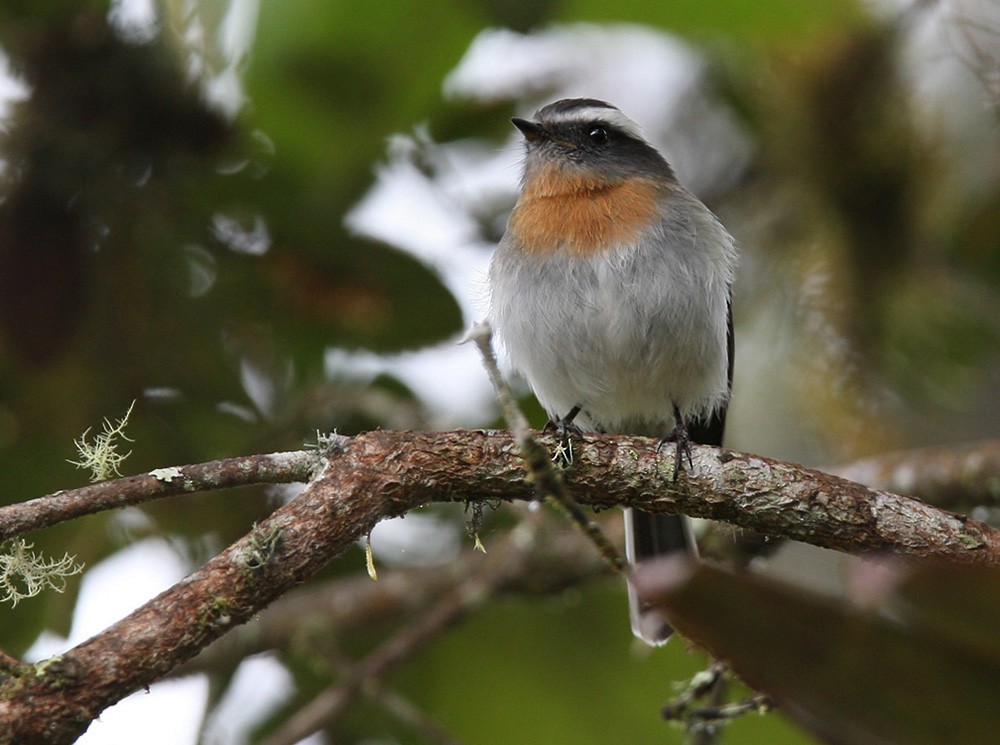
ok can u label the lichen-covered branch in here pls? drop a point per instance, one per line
(382, 474)
(44, 512)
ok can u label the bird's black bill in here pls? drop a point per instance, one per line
(532, 131)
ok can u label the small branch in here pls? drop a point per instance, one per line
(700, 730)
(44, 512)
(948, 476)
(702, 709)
(334, 701)
(404, 710)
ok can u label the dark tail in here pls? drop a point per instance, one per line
(649, 535)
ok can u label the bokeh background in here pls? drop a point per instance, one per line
(259, 219)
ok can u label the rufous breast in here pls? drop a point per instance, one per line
(579, 213)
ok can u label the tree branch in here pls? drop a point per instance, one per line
(69, 504)
(947, 476)
(384, 474)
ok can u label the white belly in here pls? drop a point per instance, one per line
(625, 338)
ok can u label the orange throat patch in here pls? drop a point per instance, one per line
(582, 215)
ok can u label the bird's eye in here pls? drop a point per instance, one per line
(598, 135)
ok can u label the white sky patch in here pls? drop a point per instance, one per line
(171, 713)
(261, 684)
(266, 386)
(236, 35)
(238, 29)
(233, 42)
(249, 236)
(449, 379)
(478, 176)
(134, 20)
(432, 217)
(225, 91)
(419, 539)
(12, 88)
(619, 64)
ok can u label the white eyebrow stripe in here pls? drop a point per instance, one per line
(586, 114)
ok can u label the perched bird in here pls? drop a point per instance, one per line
(610, 291)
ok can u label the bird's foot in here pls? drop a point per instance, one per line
(564, 430)
(682, 444)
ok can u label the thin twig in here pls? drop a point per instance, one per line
(703, 730)
(405, 711)
(44, 512)
(331, 703)
(548, 481)
(702, 709)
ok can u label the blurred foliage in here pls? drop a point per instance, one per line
(783, 23)
(914, 661)
(156, 244)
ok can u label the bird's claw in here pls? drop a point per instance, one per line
(682, 445)
(564, 430)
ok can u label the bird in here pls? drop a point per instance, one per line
(611, 293)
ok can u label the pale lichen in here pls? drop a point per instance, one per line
(101, 456)
(370, 557)
(166, 475)
(24, 574)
